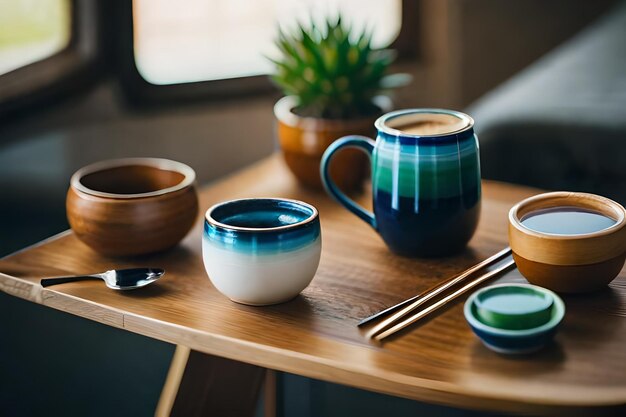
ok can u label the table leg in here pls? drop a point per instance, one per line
(270, 394)
(201, 385)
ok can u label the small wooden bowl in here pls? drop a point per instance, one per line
(569, 263)
(132, 206)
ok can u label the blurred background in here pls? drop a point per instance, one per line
(83, 80)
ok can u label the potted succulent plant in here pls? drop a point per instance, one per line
(334, 83)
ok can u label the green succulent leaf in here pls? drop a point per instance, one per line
(332, 71)
(395, 81)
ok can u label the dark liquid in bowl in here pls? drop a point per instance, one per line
(567, 221)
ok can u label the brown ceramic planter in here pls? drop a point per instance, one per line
(303, 140)
(132, 206)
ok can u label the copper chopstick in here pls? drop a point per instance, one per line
(423, 313)
(414, 302)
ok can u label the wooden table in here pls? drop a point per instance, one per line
(315, 335)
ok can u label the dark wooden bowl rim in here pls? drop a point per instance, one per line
(593, 202)
(158, 163)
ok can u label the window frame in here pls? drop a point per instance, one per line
(69, 70)
(139, 91)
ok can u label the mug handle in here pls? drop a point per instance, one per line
(353, 141)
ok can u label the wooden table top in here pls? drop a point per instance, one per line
(315, 335)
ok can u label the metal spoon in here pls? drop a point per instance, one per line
(116, 279)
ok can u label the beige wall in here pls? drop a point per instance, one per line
(470, 46)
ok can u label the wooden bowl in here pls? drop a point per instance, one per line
(569, 263)
(132, 206)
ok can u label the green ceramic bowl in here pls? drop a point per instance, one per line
(514, 306)
(514, 342)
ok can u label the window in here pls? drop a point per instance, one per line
(48, 50)
(164, 52)
(203, 40)
(32, 30)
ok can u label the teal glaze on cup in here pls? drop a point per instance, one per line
(426, 187)
(513, 307)
(509, 341)
(261, 251)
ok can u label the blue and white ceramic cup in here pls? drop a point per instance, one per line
(261, 251)
(425, 180)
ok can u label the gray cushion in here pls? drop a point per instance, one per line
(561, 123)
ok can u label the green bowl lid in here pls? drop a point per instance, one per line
(513, 306)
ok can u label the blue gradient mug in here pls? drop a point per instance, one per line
(425, 180)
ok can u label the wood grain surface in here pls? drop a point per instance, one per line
(315, 335)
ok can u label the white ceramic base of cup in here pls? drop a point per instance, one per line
(264, 279)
